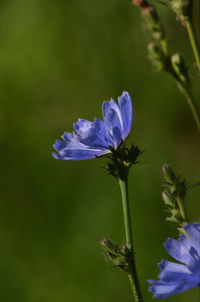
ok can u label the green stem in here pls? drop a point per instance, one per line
(132, 274)
(164, 46)
(181, 208)
(190, 102)
(193, 41)
(185, 90)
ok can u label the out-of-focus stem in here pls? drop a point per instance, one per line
(191, 102)
(193, 41)
(164, 46)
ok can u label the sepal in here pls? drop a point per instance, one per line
(122, 159)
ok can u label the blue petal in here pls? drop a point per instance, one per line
(176, 278)
(197, 226)
(174, 272)
(178, 284)
(113, 120)
(69, 136)
(180, 250)
(59, 145)
(161, 289)
(57, 156)
(79, 154)
(75, 150)
(194, 234)
(168, 269)
(82, 126)
(82, 154)
(125, 105)
(72, 144)
(94, 134)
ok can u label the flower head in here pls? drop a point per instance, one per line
(93, 139)
(176, 278)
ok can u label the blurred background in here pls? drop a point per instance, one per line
(59, 60)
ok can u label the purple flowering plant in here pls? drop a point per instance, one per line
(97, 138)
(176, 278)
(108, 137)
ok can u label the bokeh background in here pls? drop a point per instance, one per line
(59, 60)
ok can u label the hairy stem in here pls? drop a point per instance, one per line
(132, 273)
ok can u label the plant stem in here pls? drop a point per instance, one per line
(190, 101)
(132, 274)
(193, 41)
(181, 208)
(164, 46)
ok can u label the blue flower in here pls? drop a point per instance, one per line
(176, 278)
(95, 138)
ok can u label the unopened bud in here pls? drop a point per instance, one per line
(172, 219)
(151, 18)
(181, 9)
(110, 247)
(157, 56)
(117, 256)
(180, 68)
(175, 212)
(140, 3)
(168, 199)
(168, 174)
(153, 22)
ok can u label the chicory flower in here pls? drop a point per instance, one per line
(176, 278)
(94, 139)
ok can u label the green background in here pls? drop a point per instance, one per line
(59, 60)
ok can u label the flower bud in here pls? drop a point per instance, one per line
(168, 174)
(168, 199)
(153, 22)
(140, 3)
(180, 68)
(181, 9)
(151, 18)
(110, 247)
(172, 219)
(117, 256)
(157, 56)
